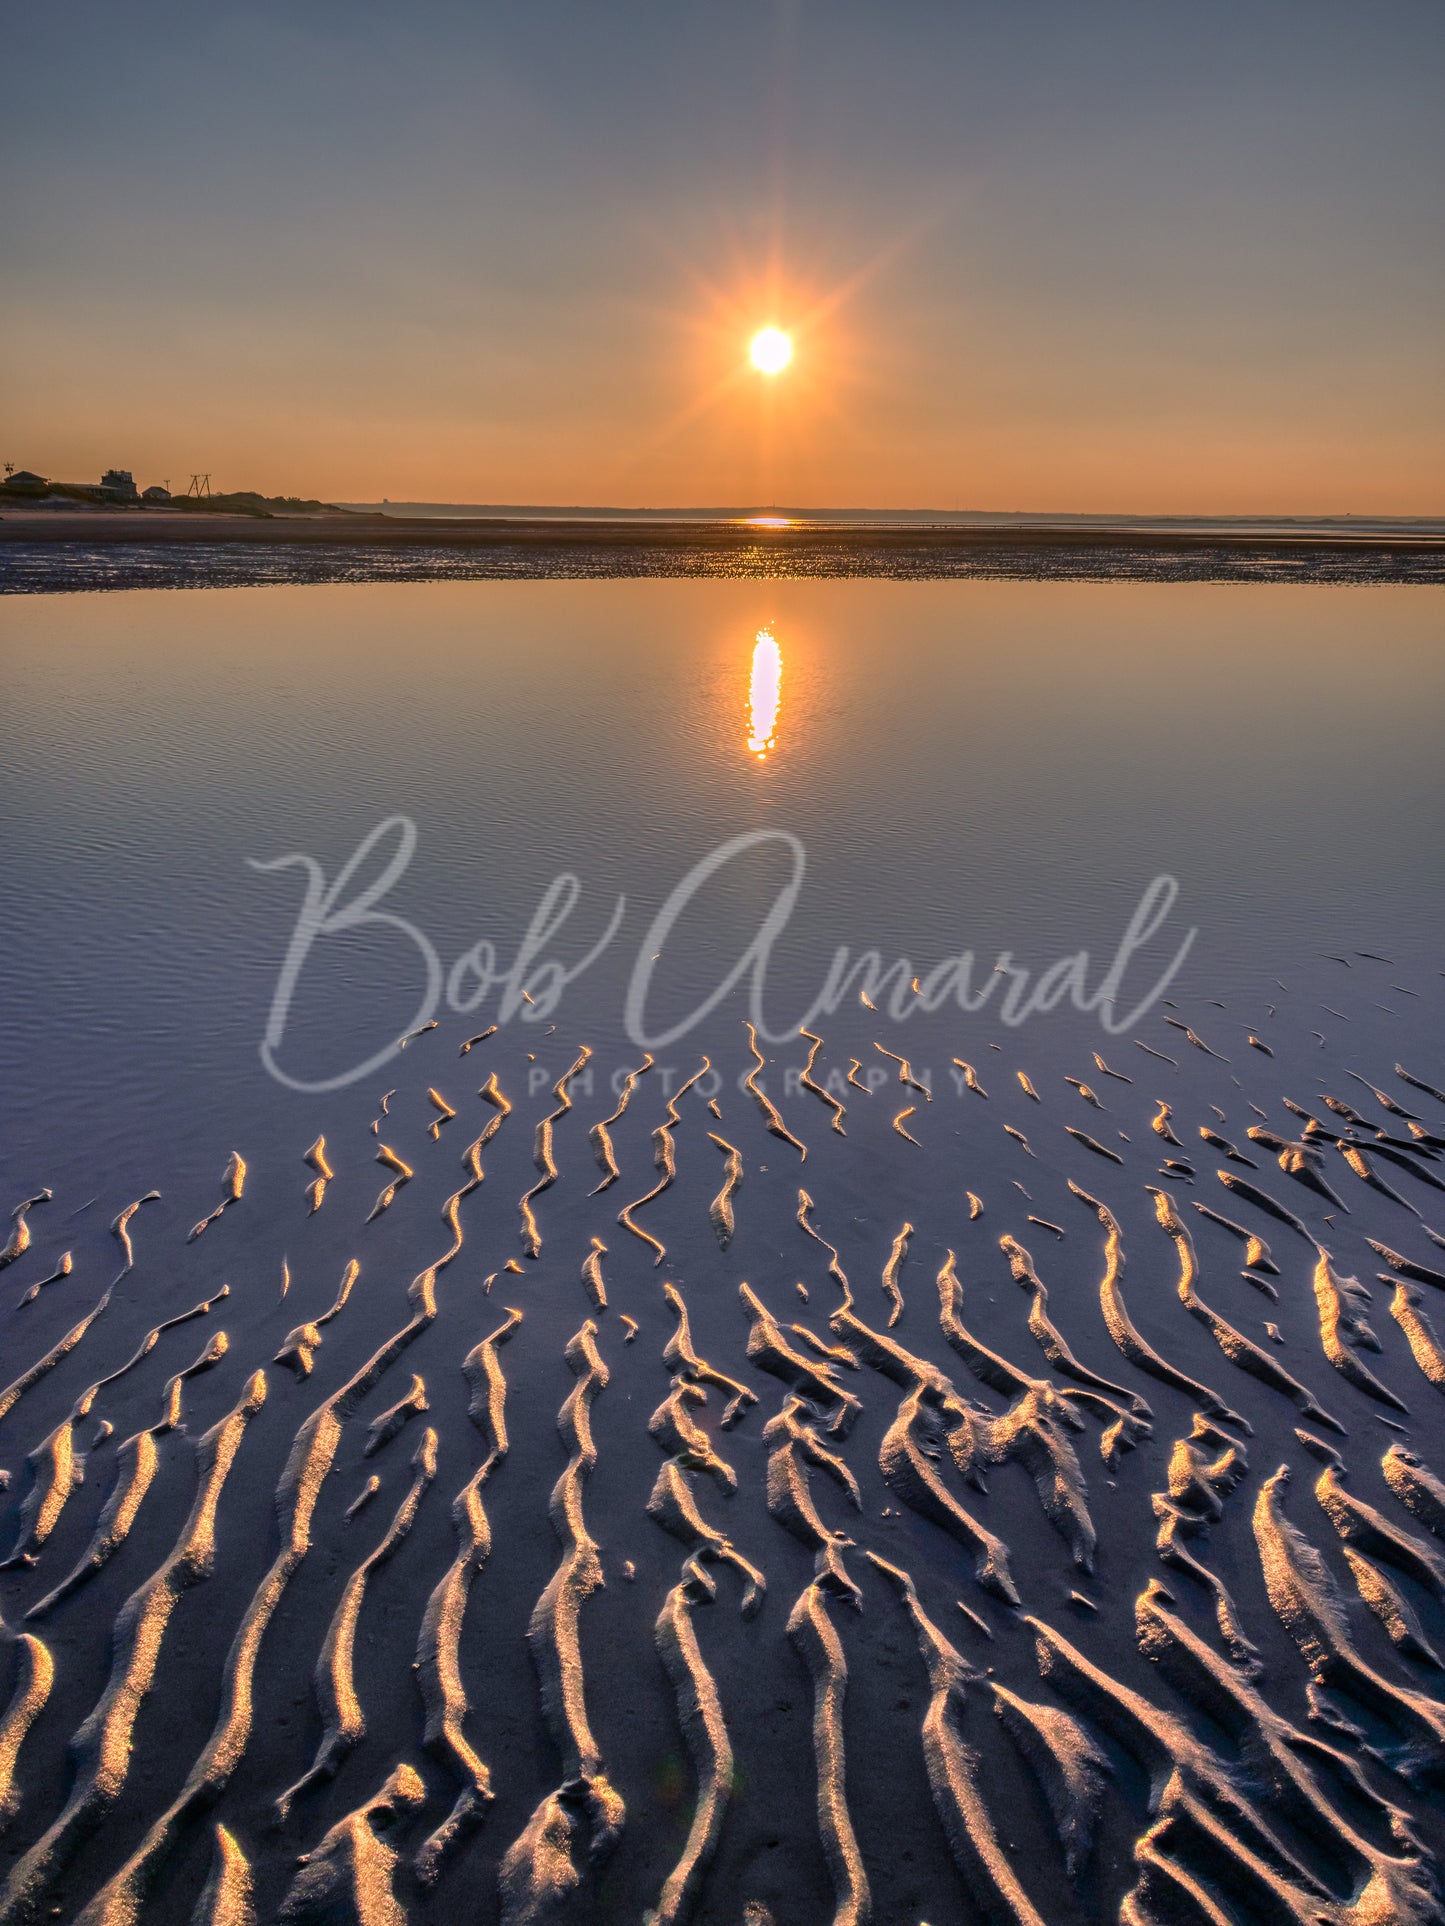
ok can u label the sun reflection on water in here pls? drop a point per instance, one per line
(764, 694)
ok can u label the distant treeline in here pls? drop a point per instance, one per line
(241, 501)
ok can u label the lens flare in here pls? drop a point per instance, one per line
(770, 351)
(764, 694)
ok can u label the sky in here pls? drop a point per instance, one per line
(1139, 258)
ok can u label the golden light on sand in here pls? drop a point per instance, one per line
(770, 351)
(764, 694)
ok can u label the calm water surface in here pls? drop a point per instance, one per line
(995, 766)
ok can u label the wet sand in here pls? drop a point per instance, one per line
(46, 551)
(728, 1503)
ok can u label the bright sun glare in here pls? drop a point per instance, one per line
(770, 351)
(764, 694)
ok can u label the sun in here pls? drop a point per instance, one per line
(770, 351)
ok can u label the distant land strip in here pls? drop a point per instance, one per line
(46, 551)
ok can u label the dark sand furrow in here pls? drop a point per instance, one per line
(334, 1680)
(673, 1505)
(1121, 1329)
(1428, 1089)
(1390, 1606)
(348, 1876)
(1240, 1350)
(1361, 1525)
(1092, 1143)
(233, 1184)
(1069, 1767)
(817, 1384)
(1033, 1430)
(821, 1650)
(930, 1417)
(384, 1428)
(1303, 1160)
(1051, 1340)
(793, 1446)
(891, 1269)
(699, 1706)
(1406, 1266)
(1405, 1159)
(582, 1819)
(228, 1897)
(599, 1136)
(64, 1266)
(1257, 1255)
(438, 1652)
(1203, 1469)
(720, 1210)
(1283, 1762)
(810, 1083)
(57, 1468)
(299, 1346)
(121, 1901)
(28, 1379)
(34, 1676)
(18, 1241)
(680, 1357)
(674, 1428)
(1261, 1200)
(542, 1155)
(101, 1747)
(1360, 1164)
(1192, 1791)
(771, 1117)
(1226, 1148)
(1342, 1326)
(955, 1770)
(137, 1461)
(1308, 1605)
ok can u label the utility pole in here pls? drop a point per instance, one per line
(200, 487)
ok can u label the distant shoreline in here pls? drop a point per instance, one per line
(49, 552)
(355, 529)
